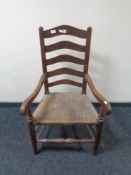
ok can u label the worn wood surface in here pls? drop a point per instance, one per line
(66, 108)
(64, 58)
(65, 30)
(64, 71)
(43, 58)
(106, 107)
(68, 140)
(26, 104)
(65, 81)
(86, 60)
(65, 45)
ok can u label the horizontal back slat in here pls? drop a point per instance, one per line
(64, 45)
(65, 58)
(65, 30)
(64, 71)
(65, 81)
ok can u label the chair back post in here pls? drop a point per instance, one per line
(43, 57)
(86, 61)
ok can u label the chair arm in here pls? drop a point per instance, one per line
(104, 103)
(26, 104)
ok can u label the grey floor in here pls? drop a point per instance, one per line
(114, 156)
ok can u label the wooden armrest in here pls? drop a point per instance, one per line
(104, 103)
(26, 104)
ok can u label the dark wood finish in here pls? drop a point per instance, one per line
(87, 54)
(65, 30)
(43, 56)
(64, 71)
(98, 137)
(65, 45)
(65, 81)
(105, 108)
(33, 137)
(32, 131)
(26, 104)
(64, 58)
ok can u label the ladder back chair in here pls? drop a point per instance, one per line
(65, 108)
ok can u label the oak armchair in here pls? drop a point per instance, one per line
(65, 108)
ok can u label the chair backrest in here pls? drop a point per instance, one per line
(65, 30)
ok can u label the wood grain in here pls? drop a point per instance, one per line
(27, 102)
(86, 61)
(64, 71)
(43, 58)
(106, 107)
(68, 140)
(64, 45)
(65, 30)
(64, 58)
(65, 81)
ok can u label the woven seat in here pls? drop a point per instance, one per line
(65, 109)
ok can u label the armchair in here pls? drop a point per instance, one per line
(65, 108)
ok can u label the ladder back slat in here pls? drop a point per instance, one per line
(65, 81)
(65, 30)
(64, 71)
(64, 58)
(64, 45)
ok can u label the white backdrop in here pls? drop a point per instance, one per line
(110, 60)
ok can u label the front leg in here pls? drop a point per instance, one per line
(32, 131)
(99, 129)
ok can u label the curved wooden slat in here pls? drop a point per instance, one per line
(64, 71)
(65, 45)
(65, 58)
(65, 30)
(25, 106)
(65, 81)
